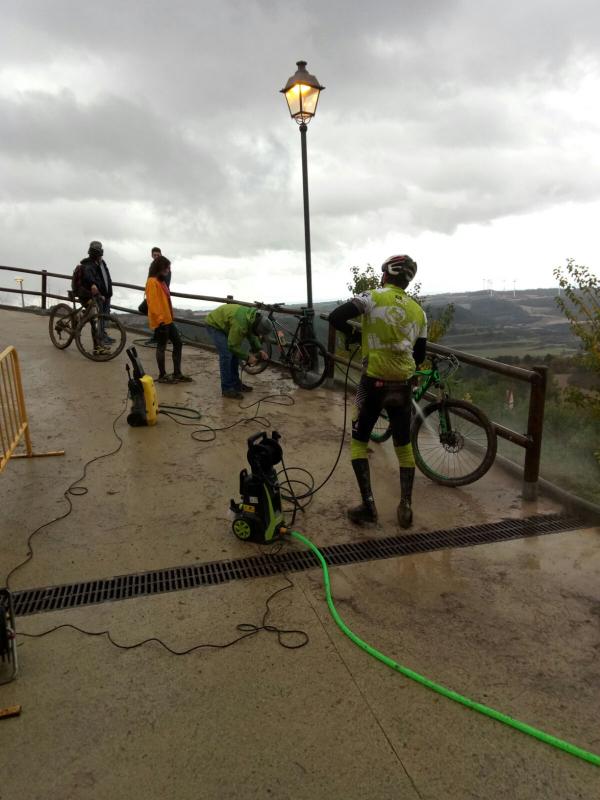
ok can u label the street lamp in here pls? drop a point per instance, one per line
(19, 281)
(302, 94)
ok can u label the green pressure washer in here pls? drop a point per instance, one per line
(258, 517)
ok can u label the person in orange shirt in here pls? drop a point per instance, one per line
(160, 320)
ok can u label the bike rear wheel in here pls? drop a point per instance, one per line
(92, 345)
(382, 430)
(453, 441)
(308, 363)
(261, 365)
(61, 326)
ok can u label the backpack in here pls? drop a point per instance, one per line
(77, 280)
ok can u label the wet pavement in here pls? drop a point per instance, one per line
(515, 625)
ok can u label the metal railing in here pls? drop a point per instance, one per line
(14, 424)
(44, 294)
(536, 377)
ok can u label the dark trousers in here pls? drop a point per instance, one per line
(372, 397)
(165, 334)
(228, 362)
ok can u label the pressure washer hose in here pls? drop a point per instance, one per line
(542, 736)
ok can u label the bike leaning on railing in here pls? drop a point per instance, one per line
(98, 336)
(305, 357)
(454, 442)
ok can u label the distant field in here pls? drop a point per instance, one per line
(522, 348)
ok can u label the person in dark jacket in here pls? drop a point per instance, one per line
(97, 283)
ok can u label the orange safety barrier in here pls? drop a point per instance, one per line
(14, 425)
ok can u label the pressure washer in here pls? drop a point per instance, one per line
(8, 640)
(258, 517)
(144, 403)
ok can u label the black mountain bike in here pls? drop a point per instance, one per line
(305, 357)
(454, 442)
(99, 337)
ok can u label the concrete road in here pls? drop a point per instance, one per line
(514, 625)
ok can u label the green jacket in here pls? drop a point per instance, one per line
(236, 322)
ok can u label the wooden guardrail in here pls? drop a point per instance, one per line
(14, 424)
(530, 441)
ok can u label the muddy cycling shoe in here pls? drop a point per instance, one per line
(245, 388)
(405, 514)
(233, 394)
(364, 514)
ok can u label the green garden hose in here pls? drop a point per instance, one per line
(542, 736)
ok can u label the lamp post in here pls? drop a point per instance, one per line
(302, 94)
(19, 281)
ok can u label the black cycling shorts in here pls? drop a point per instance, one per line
(374, 396)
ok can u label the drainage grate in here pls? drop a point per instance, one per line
(174, 579)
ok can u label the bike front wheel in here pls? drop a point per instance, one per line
(308, 362)
(260, 366)
(101, 337)
(453, 441)
(60, 326)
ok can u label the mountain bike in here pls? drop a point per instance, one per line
(454, 442)
(305, 357)
(98, 336)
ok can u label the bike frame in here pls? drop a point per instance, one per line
(304, 324)
(433, 378)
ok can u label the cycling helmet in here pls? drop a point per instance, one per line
(261, 325)
(400, 265)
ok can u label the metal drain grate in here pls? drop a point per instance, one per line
(174, 579)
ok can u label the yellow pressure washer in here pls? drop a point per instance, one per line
(144, 403)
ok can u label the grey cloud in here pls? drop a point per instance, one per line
(430, 119)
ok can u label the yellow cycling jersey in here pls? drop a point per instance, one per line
(391, 324)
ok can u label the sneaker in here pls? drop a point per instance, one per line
(233, 394)
(108, 340)
(181, 378)
(100, 350)
(405, 514)
(363, 514)
(245, 388)
(165, 379)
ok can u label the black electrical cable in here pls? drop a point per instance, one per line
(207, 433)
(247, 629)
(74, 490)
(301, 501)
(185, 412)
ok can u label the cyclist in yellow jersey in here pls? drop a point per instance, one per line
(393, 339)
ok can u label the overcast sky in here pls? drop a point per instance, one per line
(463, 132)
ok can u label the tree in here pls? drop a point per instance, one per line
(363, 280)
(580, 304)
(438, 322)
